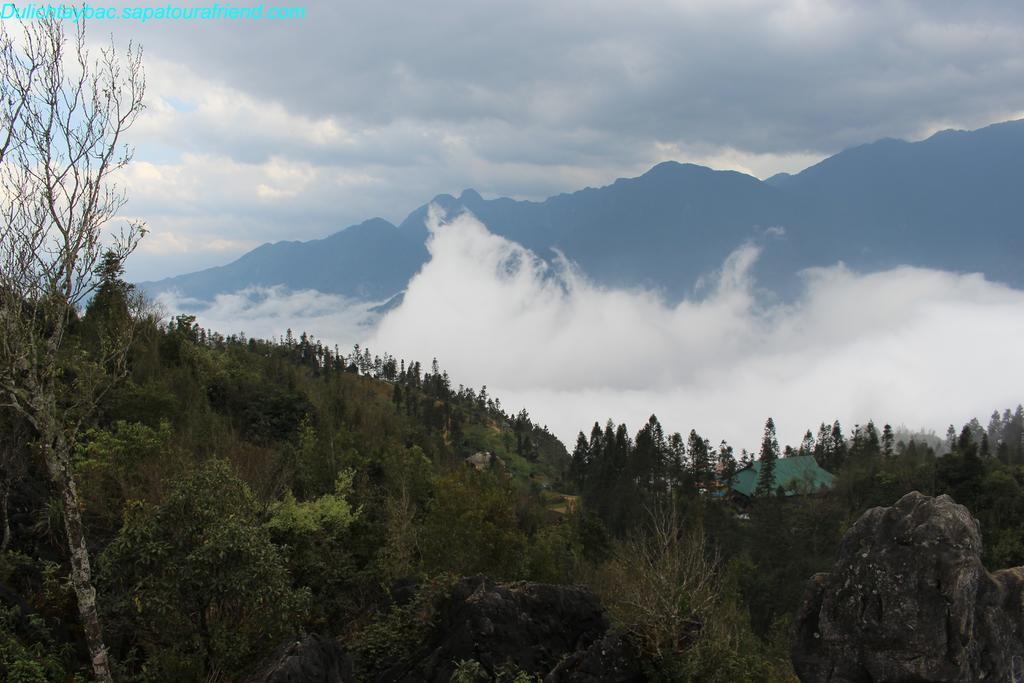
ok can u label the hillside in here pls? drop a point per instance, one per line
(238, 495)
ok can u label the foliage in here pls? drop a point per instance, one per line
(313, 539)
(28, 652)
(666, 588)
(195, 581)
(391, 635)
(472, 671)
(471, 527)
(555, 553)
(127, 461)
(469, 671)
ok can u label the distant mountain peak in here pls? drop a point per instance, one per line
(675, 168)
(666, 166)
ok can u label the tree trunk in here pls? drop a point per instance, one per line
(58, 462)
(5, 491)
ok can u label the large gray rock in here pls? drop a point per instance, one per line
(909, 600)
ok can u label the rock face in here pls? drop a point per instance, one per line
(484, 460)
(909, 600)
(314, 659)
(520, 626)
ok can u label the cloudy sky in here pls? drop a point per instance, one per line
(261, 131)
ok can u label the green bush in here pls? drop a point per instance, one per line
(313, 537)
(195, 582)
(28, 653)
(391, 636)
(471, 527)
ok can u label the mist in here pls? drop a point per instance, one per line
(911, 346)
(269, 312)
(908, 346)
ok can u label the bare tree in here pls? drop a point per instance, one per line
(662, 583)
(63, 115)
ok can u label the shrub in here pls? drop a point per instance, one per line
(195, 581)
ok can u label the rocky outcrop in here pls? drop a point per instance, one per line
(908, 599)
(482, 461)
(529, 627)
(314, 659)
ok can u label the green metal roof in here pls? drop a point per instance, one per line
(799, 474)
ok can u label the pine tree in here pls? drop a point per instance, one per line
(700, 463)
(578, 463)
(839, 450)
(965, 443)
(676, 460)
(647, 462)
(807, 444)
(995, 427)
(659, 462)
(887, 441)
(769, 456)
(823, 446)
(746, 459)
(727, 464)
(872, 446)
(1013, 433)
(623, 492)
(597, 485)
(951, 438)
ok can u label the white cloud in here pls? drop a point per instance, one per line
(731, 159)
(170, 242)
(219, 116)
(908, 346)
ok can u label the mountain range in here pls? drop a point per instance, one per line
(953, 201)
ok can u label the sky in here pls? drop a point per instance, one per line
(261, 131)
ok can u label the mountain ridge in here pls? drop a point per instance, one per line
(949, 201)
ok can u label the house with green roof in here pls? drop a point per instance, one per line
(797, 475)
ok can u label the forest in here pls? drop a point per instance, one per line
(235, 492)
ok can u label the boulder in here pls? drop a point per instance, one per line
(485, 460)
(313, 659)
(908, 599)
